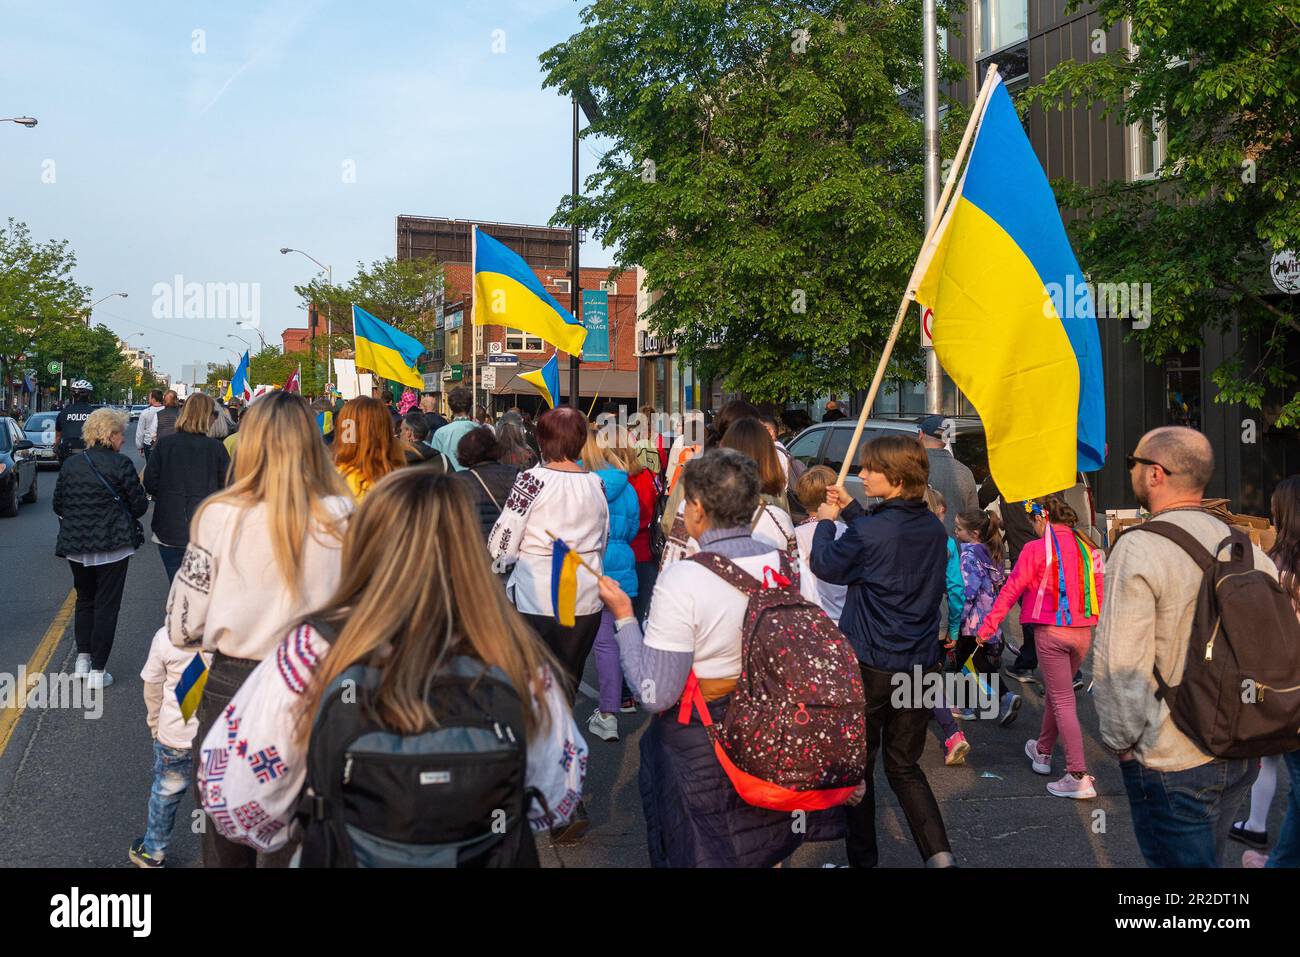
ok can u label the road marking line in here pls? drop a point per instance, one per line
(39, 661)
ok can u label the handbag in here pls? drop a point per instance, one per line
(137, 530)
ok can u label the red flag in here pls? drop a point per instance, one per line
(295, 381)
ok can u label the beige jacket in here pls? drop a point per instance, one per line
(1146, 622)
(229, 596)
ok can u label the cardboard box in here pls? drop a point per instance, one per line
(1260, 530)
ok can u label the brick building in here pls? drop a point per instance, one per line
(457, 343)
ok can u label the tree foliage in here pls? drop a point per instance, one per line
(765, 170)
(1223, 78)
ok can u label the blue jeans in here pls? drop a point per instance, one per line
(1182, 818)
(171, 557)
(172, 770)
(1286, 852)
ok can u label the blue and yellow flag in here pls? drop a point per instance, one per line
(1013, 317)
(189, 690)
(508, 293)
(546, 380)
(985, 692)
(238, 387)
(386, 350)
(564, 582)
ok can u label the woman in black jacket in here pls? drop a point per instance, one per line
(98, 500)
(487, 479)
(184, 469)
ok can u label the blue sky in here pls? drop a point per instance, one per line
(166, 161)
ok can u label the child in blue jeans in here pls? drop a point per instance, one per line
(173, 737)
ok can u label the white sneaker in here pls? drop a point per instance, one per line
(82, 666)
(603, 726)
(98, 679)
(1072, 787)
(1041, 763)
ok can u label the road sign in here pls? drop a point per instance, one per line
(1285, 268)
(927, 318)
(52, 368)
(505, 359)
(488, 378)
(495, 349)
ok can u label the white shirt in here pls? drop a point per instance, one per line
(146, 427)
(546, 501)
(694, 610)
(830, 597)
(165, 665)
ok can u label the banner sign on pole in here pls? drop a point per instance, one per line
(595, 318)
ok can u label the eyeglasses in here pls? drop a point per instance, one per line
(1133, 460)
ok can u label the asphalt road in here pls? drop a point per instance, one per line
(74, 788)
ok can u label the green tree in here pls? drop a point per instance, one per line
(397, 291)
(1223, 79)
(37, 294)
(765, 170)
(219, 373)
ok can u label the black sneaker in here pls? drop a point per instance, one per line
(1020, 675)
(1256, 839)
(1078, 681)
(574, 830)
(628, 705)
(141, 858)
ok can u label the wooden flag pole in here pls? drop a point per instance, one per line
(922, 261)
(575, 554)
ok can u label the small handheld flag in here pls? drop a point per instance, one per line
(986, 693)
(508, 293)
(239, 387)
(564, 582)
(189, 690)
(546, 380)
(386, 350)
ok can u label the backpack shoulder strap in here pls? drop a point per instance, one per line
(728, 571)
(1180, 537)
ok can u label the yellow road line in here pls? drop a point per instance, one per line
(40, 660)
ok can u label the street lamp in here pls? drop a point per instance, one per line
(26, 121)
(247, 344)
(329, 313)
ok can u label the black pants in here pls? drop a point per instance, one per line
(99, 598)
(900, 734)
(647, 573)
(1028, 656)
(225, 676)
(571, 645)
(171, 556)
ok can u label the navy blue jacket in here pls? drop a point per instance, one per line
(893, 559)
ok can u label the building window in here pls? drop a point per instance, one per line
(1148, 147)
(1000, 23)
(1183, 389)
(453, 343)
(517, 341)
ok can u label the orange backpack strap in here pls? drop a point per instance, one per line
(693, 697)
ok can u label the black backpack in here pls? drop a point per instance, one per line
(1240, 693)
(451, 796)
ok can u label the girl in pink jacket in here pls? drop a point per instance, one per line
(1058, 582)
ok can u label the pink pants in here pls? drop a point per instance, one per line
(1061, 650)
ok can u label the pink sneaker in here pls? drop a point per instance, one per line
(957, 748)
(1254, 859)
(1041, 763)
(1072, 787)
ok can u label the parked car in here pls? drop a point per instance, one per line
(136, 410)
(826, 443)
(39, 429)
(17, 468)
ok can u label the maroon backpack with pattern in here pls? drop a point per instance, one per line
(794, 734)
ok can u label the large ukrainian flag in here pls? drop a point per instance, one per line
(1013, 320)
(385, 350)
(508, 293)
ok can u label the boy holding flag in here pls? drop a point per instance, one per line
(173, 683)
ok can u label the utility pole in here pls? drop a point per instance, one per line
(930, 91)
(574, 284)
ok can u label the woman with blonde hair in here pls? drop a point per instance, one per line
(412, 662)
(99, 501)
(262, 552)
(184, 469)
(365, 448)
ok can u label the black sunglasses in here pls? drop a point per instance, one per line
(1133, 460)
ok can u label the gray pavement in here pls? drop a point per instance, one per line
(73, 791)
